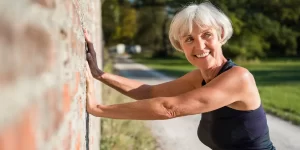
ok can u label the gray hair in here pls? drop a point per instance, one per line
(204, 14)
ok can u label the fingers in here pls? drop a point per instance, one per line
(86, 35)
(89, 57)
(89, 42)
(88, 70)
(87, 78)
(90, 46)
(87, 66)
(90, 60)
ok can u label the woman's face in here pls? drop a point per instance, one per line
(202, 47)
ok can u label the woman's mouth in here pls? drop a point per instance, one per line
(202, 55)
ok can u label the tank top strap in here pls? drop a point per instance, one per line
(229, 64)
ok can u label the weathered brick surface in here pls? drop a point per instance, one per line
(42, 81)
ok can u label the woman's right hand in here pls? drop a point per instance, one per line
(91, 57)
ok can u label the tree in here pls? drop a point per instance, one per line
(119, 22)
(152, 28)
(261, 28)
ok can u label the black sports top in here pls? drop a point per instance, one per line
(230, 129)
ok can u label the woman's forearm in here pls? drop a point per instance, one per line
(131, 88)
(150, 109)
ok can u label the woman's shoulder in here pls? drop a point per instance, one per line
(239, 71)
(245, 82)
(240, 76)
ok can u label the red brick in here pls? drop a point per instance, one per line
(50, 105)
(74, 14)
(46, 3)
(7, 38)
(56, 116)
(80, 107)
(68, 6)
(77, 80)
(27, 133)
(7, 139)
(76, 4)
(37, 48)
(6, 32)
(81, 48)
(67, 138)
(36, 44)
(63, 34)
(89, 10)
(73, 41)
(20, 135)
(7, 77)
(66, 98)
(78, 142)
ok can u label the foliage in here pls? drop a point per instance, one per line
(261, 28)
(119, 22)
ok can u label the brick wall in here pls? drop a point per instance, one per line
(42, 81)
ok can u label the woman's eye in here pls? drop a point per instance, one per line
(207, 35)
(189, 39)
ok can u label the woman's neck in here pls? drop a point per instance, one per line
(209, 74)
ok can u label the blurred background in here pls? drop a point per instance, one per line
(262, 29)
(266, 40)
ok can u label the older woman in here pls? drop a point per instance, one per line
(224, 93)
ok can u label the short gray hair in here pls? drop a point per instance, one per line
(204, 14)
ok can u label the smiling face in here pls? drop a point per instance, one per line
(199, 31)
(202, 47)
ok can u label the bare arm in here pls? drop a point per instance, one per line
(131, 88)
(138, 90)
(148, 109)
(128, 87)
(135, 89)
(222, 91)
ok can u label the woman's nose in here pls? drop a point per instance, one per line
(200, 44)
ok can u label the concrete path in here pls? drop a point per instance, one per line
(181, 133)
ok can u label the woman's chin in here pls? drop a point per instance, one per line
(203, 64)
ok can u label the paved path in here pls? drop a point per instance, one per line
(180, 133)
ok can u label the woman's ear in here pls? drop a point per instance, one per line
(179, 46)
(221, 34)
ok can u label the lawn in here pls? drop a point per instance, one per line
(118, 134)
(278, 81)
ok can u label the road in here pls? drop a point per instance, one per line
(180, 133)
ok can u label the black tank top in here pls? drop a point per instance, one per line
(230, 129)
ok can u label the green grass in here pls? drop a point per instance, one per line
(278, 81)
(117, 134)
(279, 85)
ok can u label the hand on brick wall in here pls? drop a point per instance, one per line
(91, 57)
(90, 90)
